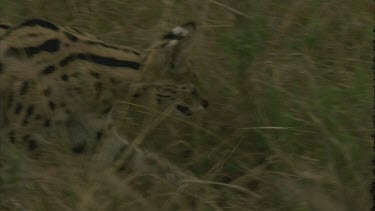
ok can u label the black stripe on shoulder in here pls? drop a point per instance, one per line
(106, 61)
(51, 46)
(112, 47)
(1, 67)
(40, 22)
(4, 26)
(113, 62)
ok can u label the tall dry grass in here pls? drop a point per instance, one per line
(290, 91)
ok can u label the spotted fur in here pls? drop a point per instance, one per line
(56, 82)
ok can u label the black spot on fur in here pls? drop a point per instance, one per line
(4, 26)
(79, 148)
(51, 45)
(18, 108)
(172, 65)
(99, 135)
(47, 123)
(48, 70)
(107, 110)
(29, 112)
(114, 81)
(71, 37)
(24, 87)
(204, 103)
(65, 77)
(39, 22)
(183, 109)
(95, 74)
(106, 61)
(32, 144)
(51, 105)
(1, 67)
(11, 136)
(47, 92)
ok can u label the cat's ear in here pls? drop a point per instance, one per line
(170, 53)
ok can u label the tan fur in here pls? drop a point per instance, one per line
(59, 83)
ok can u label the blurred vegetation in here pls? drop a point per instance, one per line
(290, 91)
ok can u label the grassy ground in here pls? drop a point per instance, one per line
(290, 91)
